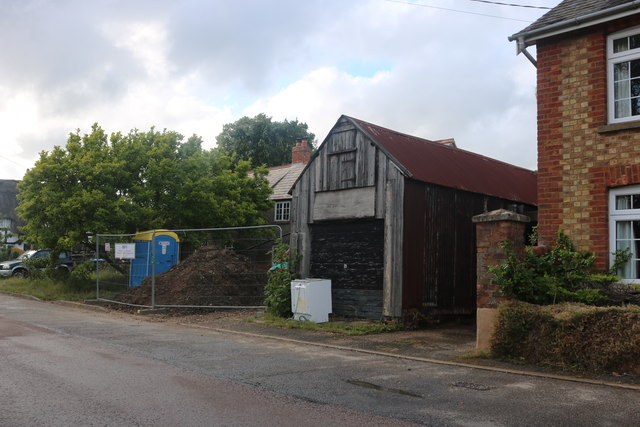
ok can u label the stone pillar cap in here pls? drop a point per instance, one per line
(500, 215)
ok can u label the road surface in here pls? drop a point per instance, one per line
(64, 366)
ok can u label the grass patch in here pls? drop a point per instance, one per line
(47, 288)
(341, 327)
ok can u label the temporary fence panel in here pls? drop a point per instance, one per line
(211, 268)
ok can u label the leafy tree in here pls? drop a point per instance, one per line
(142, 180)
(261, 140)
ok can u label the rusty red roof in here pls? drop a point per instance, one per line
(436, 163)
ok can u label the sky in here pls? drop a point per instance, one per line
(431, 68)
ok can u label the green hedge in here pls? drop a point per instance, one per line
(570, 336)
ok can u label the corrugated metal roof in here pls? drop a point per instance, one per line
(433, 162)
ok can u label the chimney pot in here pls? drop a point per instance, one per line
(301, 152)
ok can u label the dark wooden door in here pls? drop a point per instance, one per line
(351, 255)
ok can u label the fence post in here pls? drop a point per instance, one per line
(492, 230)
(97, 257)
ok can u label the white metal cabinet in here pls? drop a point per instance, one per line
(311, 300)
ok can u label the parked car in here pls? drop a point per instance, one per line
(17, 268)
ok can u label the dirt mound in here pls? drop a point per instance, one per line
(211, 276)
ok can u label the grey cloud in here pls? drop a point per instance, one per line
(247, 41)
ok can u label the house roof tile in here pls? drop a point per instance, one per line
(570, 13)
(282, 178)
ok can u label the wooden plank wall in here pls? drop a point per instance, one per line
(348, 159)
(440, 247)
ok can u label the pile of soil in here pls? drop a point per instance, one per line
(211, 276)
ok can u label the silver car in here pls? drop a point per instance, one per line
(16, 268)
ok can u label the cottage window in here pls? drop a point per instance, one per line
(623, 58)
(283, 210)
(624, 229)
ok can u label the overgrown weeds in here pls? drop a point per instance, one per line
(278, 288)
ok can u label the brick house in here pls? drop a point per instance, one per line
(588, 91)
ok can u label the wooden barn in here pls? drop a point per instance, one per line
(387, 217)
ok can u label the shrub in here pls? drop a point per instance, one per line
(569, 336)
(8, 253)
(562, 274)
(278, 288)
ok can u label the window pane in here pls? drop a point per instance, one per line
(635, 87)
(623, 202)
(636, 201)
(622, 89)
(283, 210)
(621, 71)
(635, 68)
(627, 233)
(635, 106)
(622, 108)
(624, 232)
(621, 45)
(634, 41)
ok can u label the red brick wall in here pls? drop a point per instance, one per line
(578, 160)
(492, 230)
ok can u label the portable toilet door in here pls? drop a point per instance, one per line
(166, 253)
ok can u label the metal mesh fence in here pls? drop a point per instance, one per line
(203, 268)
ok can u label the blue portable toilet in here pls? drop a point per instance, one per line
(166, 252)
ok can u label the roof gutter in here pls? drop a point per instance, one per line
(528, 38)
(522, 48)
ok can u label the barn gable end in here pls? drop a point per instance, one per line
(389, 240)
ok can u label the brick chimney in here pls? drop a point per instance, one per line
(301, 152)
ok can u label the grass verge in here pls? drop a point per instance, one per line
(49, 289)
(359, 327)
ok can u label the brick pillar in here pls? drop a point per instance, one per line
(492, 229)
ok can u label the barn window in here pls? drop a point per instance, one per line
(283, 210)
(346, 172)
(624, 229)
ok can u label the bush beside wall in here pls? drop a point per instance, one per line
(570, 336)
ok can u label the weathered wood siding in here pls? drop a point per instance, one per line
(351, 255)
(349, 168)
(440, 247)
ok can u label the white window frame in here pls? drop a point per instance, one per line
(615, 58)
(282, 211)
(616, 215)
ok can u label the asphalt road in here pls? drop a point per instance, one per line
(65, 366)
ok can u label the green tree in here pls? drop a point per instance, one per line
(117, 183)
(261, 140)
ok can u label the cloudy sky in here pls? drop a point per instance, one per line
(431, 68)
